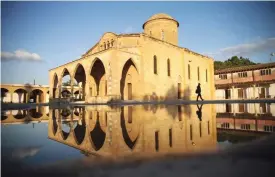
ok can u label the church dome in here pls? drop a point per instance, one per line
(160, 16)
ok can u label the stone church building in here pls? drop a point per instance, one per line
(140, 66)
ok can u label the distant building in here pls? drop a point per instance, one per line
(149, 65)
(246, 82)
(26, 93)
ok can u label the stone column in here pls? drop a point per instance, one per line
(27, 97)
(254, 91)
(72, 88)
(233, 90)
(12, 97)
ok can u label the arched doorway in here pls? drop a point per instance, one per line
(55, 86)
(20, 96)
(65, 84)
(4, 95)
(80, 78)
(98, 87)
(37, 96)
(128, 82)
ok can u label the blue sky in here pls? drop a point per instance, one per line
(38, 36)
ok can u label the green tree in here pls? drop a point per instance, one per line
(233, 62)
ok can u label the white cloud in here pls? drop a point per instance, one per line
(129, 29)
(244, 50)
(20, 54)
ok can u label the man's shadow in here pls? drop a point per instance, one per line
(199, 113)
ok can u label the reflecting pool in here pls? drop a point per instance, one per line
(44, 136)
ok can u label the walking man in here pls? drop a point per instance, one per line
(198, 91)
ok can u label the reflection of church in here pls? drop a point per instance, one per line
(141, 66)
(144, 129)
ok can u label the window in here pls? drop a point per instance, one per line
(130, 112)
(208, 127)
(157, 140)
(269, 128)
(108, 45)
(162, 35)
(191, 133)
(245, 126)
(106, 84)
(265, 72)
(104, 46)
(168, 67)
(242, 74)
(200, 129)
(198, 73)
(225, 125)
(223, 76)
(170, 137)
(206, 78)
(112, 43)
(189, 74)
(179, 113)
(106, 118)
(155, 65)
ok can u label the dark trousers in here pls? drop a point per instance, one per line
(199, 95)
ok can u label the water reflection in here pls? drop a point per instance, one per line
(149, 130)
(36, 114)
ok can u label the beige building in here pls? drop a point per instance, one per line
(143, 66)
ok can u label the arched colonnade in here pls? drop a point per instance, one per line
(95, 80)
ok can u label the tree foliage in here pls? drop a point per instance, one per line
(233, 62)
(68, 83)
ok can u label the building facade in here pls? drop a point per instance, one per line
(142, 66)
(247, 82)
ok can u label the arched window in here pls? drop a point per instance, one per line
(198, 73)
(162, 35)
(189, 72)
(104, 46)
(108, 45)
(155, 65)
(206, 78)
(168, 67)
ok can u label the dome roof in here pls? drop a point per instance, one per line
(160, 16)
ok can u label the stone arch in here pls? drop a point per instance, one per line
(22, 96)
(55, 86)
(98, 73)
(4, 93)
(80, 77)
(37, 96)
(129, 77)
(65, 73)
